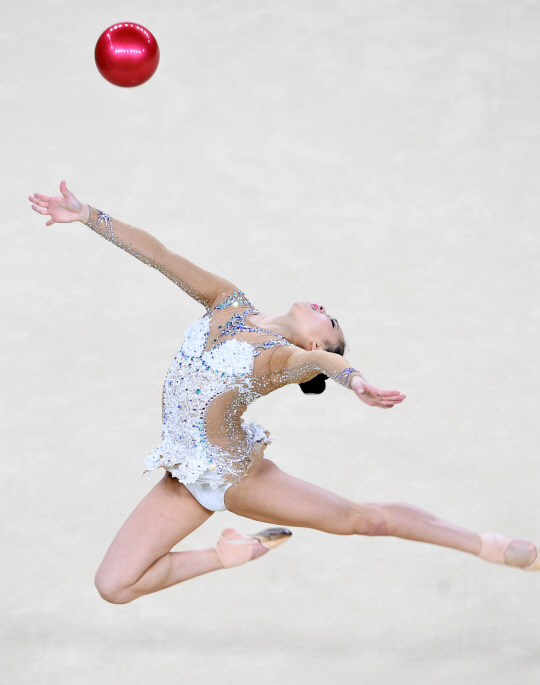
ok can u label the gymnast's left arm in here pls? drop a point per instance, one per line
(201, 285)
(303, 365)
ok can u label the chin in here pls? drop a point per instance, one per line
(302, 305)
(297, 309)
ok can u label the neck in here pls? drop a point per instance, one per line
(276, 323)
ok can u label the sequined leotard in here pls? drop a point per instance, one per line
(225, 363)
(207, 373)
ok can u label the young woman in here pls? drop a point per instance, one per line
(214, 461)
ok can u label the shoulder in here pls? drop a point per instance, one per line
(294, 364)
(307, 364)
(230, 297)
(281, 365)
(300, 357)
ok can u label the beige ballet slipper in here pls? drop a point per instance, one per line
(494, 545)
(535, 566)
(235, 548)
(272, 537)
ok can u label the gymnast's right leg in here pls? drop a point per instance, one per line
(269, 494)
(139, 560)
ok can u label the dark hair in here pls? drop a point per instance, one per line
(317, 385)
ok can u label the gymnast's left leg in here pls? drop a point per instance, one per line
(139, 560)
(269, 494)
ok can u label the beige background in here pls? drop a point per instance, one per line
(379, 157)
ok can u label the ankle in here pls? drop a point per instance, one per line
(234, 548)
(258, 550)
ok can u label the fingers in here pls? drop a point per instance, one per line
(385, 404)
(386, 397)
(376, 400)
(384, 394)
(41, 200)
(389, 393)
(40, 210)
(63, 188)
(42, 206)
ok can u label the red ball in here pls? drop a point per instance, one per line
(127, 54)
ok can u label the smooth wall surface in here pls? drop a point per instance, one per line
(379, 157)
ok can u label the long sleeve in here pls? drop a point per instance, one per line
(302, 366)
(203, 286)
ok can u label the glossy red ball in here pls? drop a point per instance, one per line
(127, 54)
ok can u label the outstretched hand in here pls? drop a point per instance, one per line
(385, 399)
(62, 209)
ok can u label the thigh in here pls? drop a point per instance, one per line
(167, 514)
(268, 494)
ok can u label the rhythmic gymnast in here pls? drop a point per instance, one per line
(214, 461)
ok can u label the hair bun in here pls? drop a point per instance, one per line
(315, 386)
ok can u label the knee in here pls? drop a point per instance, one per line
(110, 590)
(368, 519)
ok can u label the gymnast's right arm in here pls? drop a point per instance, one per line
(202, 285)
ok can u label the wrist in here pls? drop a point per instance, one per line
(356, 381)
(346, 377)
(84, 215)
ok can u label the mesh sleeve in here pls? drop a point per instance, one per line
(202, 285)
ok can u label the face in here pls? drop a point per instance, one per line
(318, 328)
